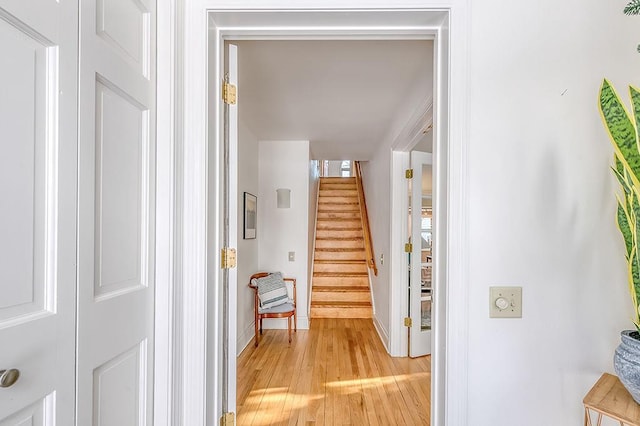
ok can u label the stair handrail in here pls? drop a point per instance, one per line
(364, 216)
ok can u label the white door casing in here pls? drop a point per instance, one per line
(38, 124)
(116, 213)
(419, 339)
(198, 294)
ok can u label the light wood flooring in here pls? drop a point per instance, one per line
(336, 373)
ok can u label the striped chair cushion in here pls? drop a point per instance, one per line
(272, 290)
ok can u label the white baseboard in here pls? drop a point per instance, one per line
(245, 338)
(384, 335)
(281, 323)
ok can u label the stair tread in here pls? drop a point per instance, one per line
(339, 249)
(346, 305)
(339, 229)
(349, 201)
(340, 274)
(341, 289)
(340, 238)
(322, 193)
(341, 262)
(338, 193)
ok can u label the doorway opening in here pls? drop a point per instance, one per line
(268, 143)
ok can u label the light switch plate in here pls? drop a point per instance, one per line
(505, 302)
(292, 256)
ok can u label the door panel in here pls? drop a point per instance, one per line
(116, 213)
(421, 290)
(22, 177)
(121, 213)
(231, 219)
(38, 121)
(119, 389)
(125, 26)
(40, 413)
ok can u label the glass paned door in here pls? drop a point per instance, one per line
(421, 266)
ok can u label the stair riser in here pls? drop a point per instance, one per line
(327, 233)
(341, 281)
(341, 312)
(338, 180)
(339, 215)
(353, 208)
(338, 187)
(347, 192)
(339, 224)
(339, 267)
(337, 255)
(341, 296)
(338, 199)
(356, 243)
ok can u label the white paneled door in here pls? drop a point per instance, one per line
(116, 213)
(421, 270)
(38, 141)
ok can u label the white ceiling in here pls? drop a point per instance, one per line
(345, 97)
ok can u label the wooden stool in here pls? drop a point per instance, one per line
(608, 397)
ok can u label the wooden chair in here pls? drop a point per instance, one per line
(287, 310)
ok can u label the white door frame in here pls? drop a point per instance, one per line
(188, 328)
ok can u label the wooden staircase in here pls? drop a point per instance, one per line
(340, 277)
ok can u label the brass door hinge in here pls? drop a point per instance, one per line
(228, 419)
(227, 258)
(407, 322)
(408, 248)
(229, 93)
(408, 173)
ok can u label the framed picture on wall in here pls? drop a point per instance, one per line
(250, 216)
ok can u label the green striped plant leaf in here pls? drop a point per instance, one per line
(625, 228)
(619, 166)
(634, 284)
(624, 183)
(634, 272)
(621, 130)
(634, 276)
(635, 102)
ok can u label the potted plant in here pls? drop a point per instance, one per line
(623, 131)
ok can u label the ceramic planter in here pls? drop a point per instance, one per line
(626, 362)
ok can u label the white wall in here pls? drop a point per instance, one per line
(542, 205)
(314, 187)
(285, 164)
(377, 187)
(247, 249)
(376, 184)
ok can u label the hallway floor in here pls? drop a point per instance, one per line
(336, 373)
